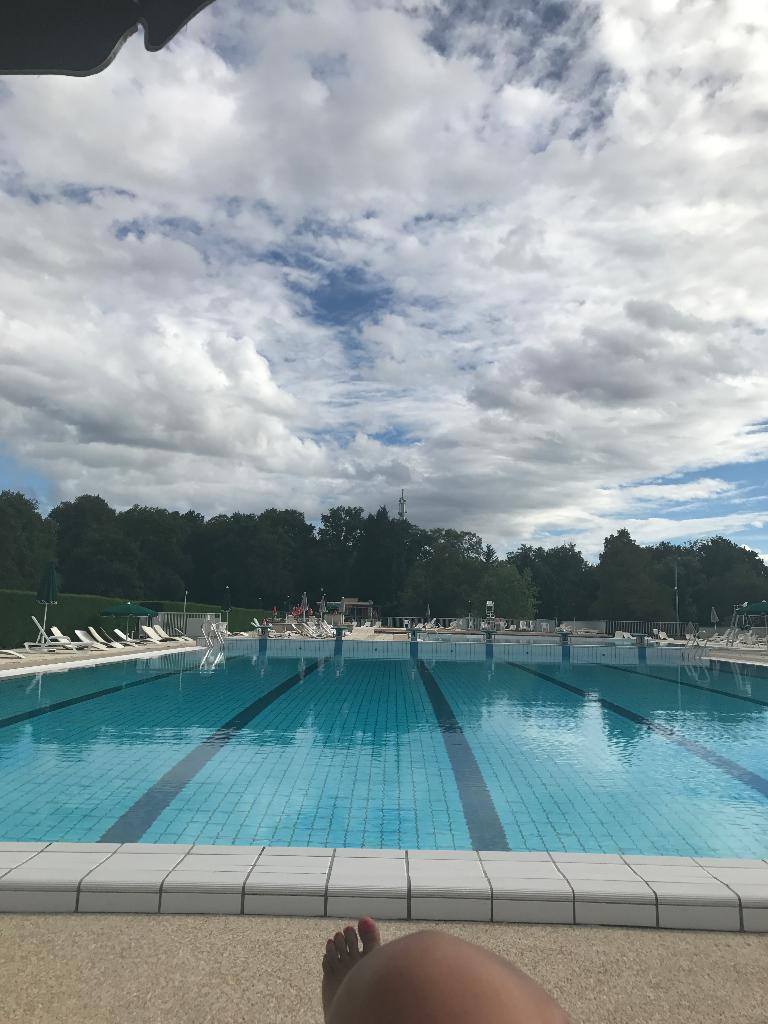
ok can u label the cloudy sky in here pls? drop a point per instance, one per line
(508, 255)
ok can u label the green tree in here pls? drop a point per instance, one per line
(161, 539)
(446, 575)
(562, 579)
(27, 541)
(511, 592)
(338, 539)
(627, 583)
(94, 555)
(733, 574)
(386, 550)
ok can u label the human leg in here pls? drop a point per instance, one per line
(427, 977)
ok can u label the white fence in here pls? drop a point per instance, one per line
(190, 623)
(647, 626)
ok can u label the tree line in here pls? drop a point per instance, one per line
(268, 559)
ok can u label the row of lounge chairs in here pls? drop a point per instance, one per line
(52, 640)
(737, 638)
(320, 630)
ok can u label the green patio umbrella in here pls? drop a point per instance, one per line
(128, 610)
(755, 608)
(48, 591)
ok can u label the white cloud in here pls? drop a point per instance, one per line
(544, 242)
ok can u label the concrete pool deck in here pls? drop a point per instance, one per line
(251, 970)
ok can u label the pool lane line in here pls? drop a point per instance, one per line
(732, 768)
(59, 705)
(691, 686)
(483, 823)
(133, 823)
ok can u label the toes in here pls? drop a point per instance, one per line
(350, 935)
(369, 934)
(341, 945)
(331, 958)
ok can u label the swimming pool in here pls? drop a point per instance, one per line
(527, 752)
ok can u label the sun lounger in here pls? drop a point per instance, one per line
(121, 636)
(167, 636)
(10, 654)
(148, 631)
(88, 641)
(58, 636)
(56, 641)
(102, 640)
(46, 642)
(307, 630)
(130, 641)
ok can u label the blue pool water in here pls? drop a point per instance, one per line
(316, 751)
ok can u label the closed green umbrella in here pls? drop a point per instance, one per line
(129, 609)
(48, 591)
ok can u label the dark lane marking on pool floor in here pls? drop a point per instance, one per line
(691, 686)
(131, 826)
(736, 771)
(483, 823)
(59, 705)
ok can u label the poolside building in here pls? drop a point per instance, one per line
(352, 609)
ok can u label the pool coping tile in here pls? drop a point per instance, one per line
(23, 847)
(430, 885)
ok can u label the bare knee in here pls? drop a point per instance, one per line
(434, 975)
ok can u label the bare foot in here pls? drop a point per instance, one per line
(342, 952)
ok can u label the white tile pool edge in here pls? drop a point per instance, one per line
(699, 893)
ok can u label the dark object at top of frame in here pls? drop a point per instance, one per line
(81, 37)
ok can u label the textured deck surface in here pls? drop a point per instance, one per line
(190, 970)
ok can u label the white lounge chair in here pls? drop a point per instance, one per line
(103, 639)
(88, 641)
(308, 631)
(53, 641)
(10, 654)
(167, 636)
(149, 632)
(57, 636)
(154, 636)
(121, 636)
(47, 642)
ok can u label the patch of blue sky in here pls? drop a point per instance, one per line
(127, 228)
(295, 258)
(71, 192)
(174, 227)
(348, 295)
(395, 437)
(16, 476)
(748, 480)
(234, 205)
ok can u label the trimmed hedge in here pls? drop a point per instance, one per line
(76, 611)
